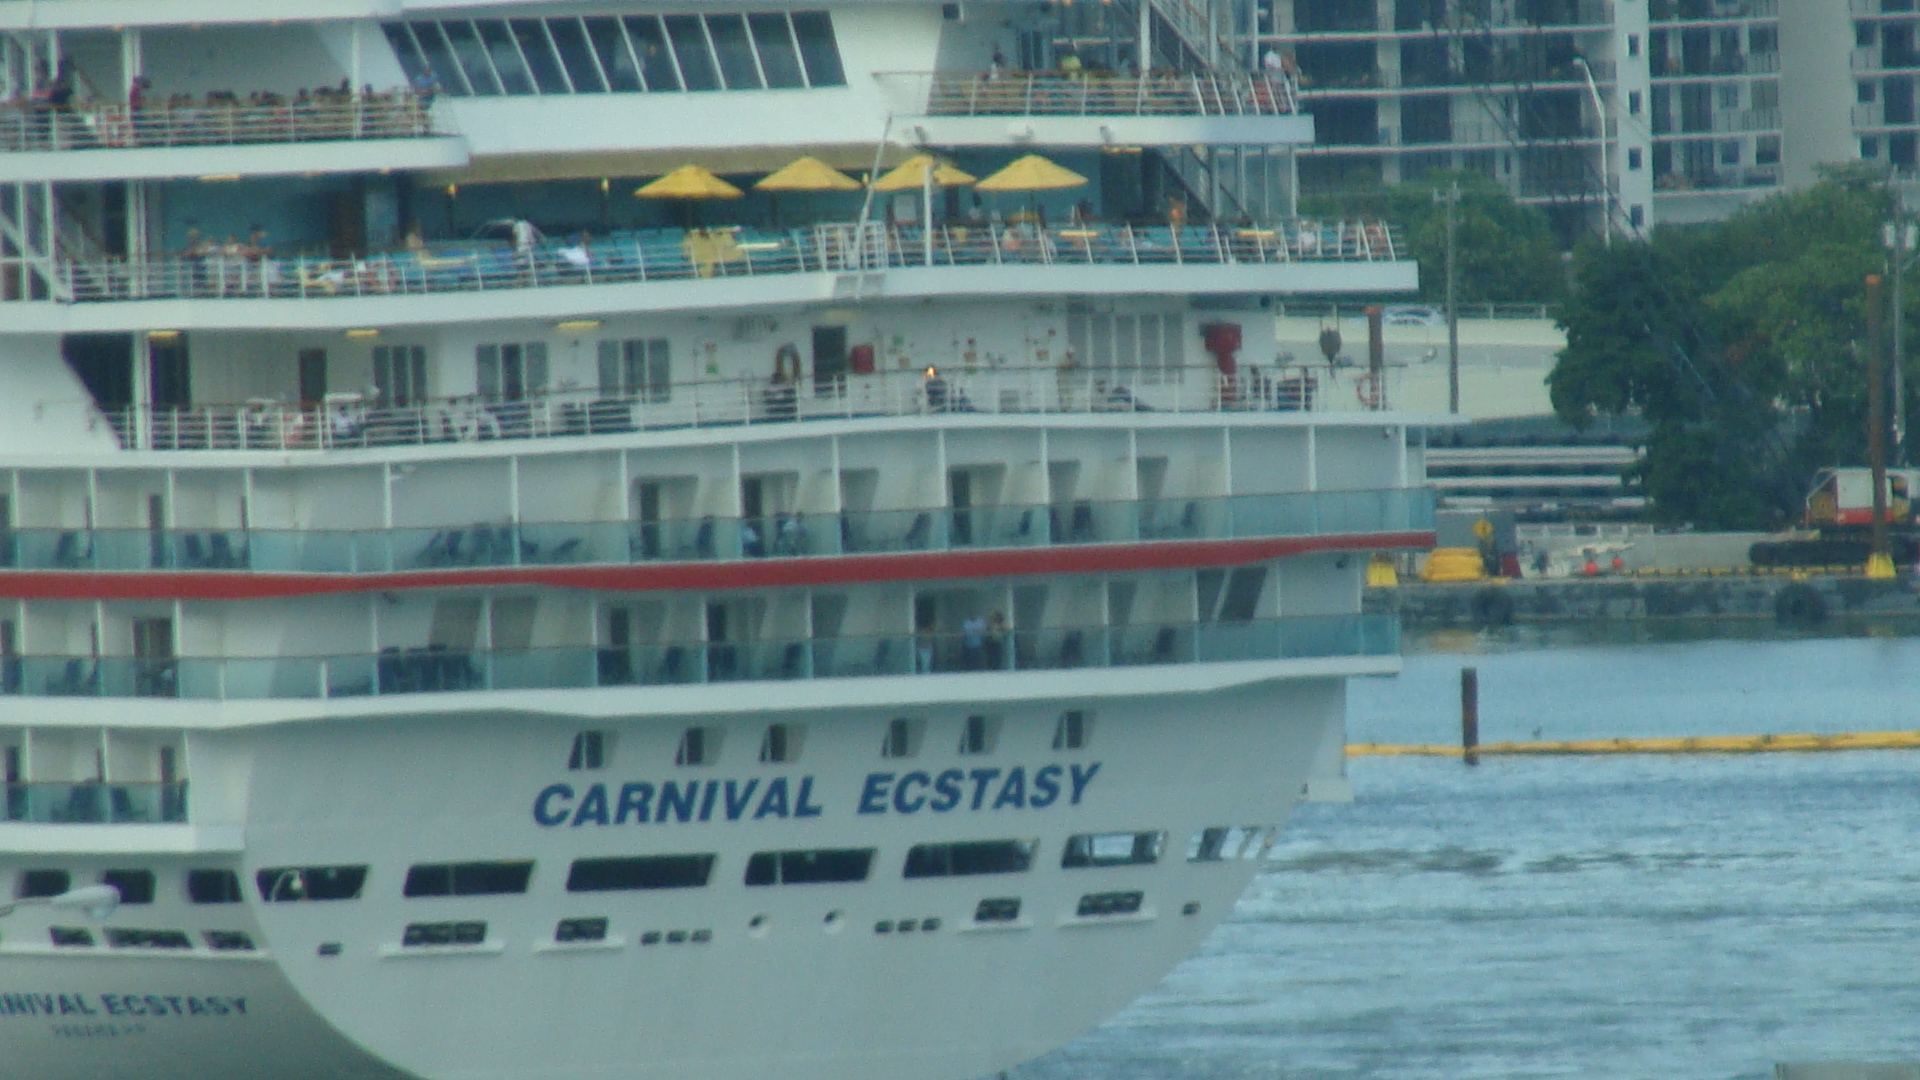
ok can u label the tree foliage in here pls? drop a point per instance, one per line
(1504, 252)
(1738, 344)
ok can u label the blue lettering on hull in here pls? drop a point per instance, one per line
(639, 802)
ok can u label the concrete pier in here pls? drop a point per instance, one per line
(1784, 598)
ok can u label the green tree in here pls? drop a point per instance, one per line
(1737, 344)
(1505, 251)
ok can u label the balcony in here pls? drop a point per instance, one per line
(974, 259)
(1043, 108)
(94, 802)
(174, 139)
(713, 538)
(434, 670)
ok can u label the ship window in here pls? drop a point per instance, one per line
(970, 857)
(472, 57)
(638, 368)
(1094, 905)
(293, 883)
(531, 36)
(135, 886)
(510, 371)
(504, 55)
(1223, 842)
(568, 54)
(121, 938)
(589, 751)
(467, 879)
(37, 883)
(640, 872)
(610, 49)
(698, 746)
(581, 930)
(773, 38)
(689, 36)
(1149, 347)
(781, 744)
(444, 933)
(997, 909)
(979, 734)
(735, 52)
(213, 887)
(903, 739)
(1070, 733)
(650, 45)
(651, 937)
(1112, 849)
(814, 29)
(229, 940)
(809, 867)
(71, 936)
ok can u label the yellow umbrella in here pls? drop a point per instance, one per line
(1031, 173)
(808, 174)
(688, 182)
(911, 175)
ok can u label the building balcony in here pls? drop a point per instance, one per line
(179, 139)
(678, 268)
(1049, 109)
(435, 670)
(714, 538)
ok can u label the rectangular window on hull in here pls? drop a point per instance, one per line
(902, 739)
(641, 872)
(213, 887)
(809, 867)
(580, 930)
(1223, 842)
(589, 751)
(34, 884)
(444, 933)
(72, 937)
(1095, 905)
(121, 938)
(971, 857)
(135, 886)
(997, 909)
(1112, 849)
(229, 940)
(1071, 731)
(468, 879)
(295, 883)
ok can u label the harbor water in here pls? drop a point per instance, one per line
(1685, 918)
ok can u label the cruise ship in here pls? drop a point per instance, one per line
(678, 540)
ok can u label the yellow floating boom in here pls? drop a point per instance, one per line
(1698, 744)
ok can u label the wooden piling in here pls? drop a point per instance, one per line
(1470, 715)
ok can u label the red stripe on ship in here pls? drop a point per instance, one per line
(738, 574)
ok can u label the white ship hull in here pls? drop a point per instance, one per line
(792, 979)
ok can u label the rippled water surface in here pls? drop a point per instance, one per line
(1684, 917)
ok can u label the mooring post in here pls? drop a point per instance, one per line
(1470, 715)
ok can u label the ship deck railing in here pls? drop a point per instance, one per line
(394, 115)
(434, 669)
(95, 802)
(713, 538)
(1052, 93)
(725, 252)
(347, 422)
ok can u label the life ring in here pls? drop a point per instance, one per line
(1368, 389)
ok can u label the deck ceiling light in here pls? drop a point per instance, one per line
(213, 178)
(364, 332)
(163, 335)
(577, 325)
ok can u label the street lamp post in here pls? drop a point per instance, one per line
(1901, 237)
(1606, 153)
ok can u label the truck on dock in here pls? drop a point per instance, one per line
(1838, 521)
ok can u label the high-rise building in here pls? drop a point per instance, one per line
(1632, 113)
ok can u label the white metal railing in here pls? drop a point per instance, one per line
(347, 421)
(674, 255)
(1092, 94)
(396, 115)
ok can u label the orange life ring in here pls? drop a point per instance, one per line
(1368, 389)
